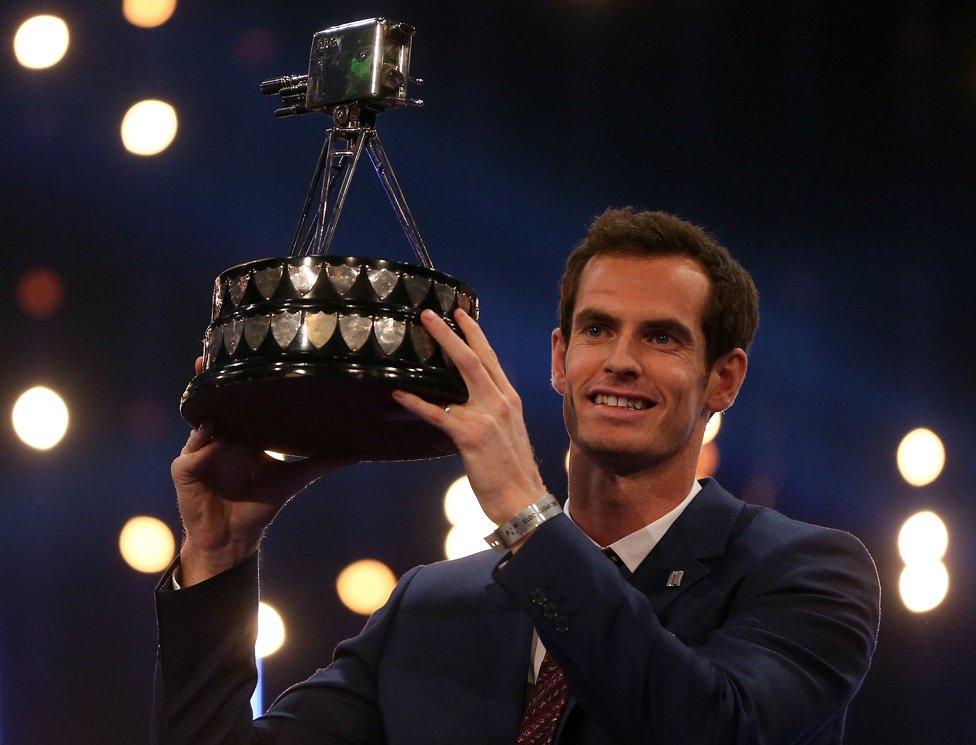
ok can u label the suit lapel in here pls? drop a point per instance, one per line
(669, 555)
(700, 532)
(506, 637)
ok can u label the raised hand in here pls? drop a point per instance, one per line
(489, 429)
(228, 495)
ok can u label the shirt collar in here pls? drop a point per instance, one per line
(634, 548)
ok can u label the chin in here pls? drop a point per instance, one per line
(623, 456)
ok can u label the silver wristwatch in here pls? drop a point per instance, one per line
(509, 533)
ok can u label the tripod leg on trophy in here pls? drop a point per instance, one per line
(335, 190)
(331, 173)
(296, 242)
(384, 170)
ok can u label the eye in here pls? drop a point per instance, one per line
(662, 338)
(593, 330)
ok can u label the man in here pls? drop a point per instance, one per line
(707, 621)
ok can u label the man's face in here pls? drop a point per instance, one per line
(636, 335)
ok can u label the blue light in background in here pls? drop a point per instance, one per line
(257, 699)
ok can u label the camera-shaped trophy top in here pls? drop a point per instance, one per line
(366, 62)
(355, 71)
(303, 351)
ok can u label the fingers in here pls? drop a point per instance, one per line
(198, 438)
(467, 361)
(433, 414)
(202, 434)
(479, 344)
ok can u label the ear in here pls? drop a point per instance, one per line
(558, 362)
(725, 379)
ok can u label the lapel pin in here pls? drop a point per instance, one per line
(674, 579)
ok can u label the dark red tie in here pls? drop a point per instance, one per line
(551, 692)
(545, 707)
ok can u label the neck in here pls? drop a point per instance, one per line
(610, 503)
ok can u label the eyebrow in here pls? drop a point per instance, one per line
(669, 324)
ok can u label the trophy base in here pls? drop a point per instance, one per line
(322, 408)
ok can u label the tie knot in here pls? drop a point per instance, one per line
(612, 555)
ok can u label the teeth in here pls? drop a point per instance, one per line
(621, 401)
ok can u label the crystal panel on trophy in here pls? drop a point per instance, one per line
(303, 351)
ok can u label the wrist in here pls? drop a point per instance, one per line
(513, 531)
(199, 563)
(514, 500)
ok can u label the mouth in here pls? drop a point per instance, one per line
(621, 403)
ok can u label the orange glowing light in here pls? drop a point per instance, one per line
(707, 461)
(40, 292)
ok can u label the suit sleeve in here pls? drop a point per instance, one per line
(206, 673)
(791, 654)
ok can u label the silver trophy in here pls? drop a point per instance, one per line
(303, 351)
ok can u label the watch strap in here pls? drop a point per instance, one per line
(511, 531)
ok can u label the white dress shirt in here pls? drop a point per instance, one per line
(632, 550)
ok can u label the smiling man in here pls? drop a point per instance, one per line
(638, 372)
(653, 608)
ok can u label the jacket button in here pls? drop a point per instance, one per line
(538, 596)
(562, 624)
(550, 610)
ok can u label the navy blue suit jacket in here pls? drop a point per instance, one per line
(766, 640)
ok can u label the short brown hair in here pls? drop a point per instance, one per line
(732, 312)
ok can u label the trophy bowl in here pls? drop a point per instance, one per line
(302, 355)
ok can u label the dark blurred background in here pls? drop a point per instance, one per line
(830, 145)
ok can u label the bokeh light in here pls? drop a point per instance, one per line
(40, 292)
(712, 428)
(923, 537)
(923, 585)
(464, 540)
(469, 522)
(271, 631)
(462, 508)
(41, 42)
(147, 544)
(920, 457)
(148, 13)
(708, 461)
(149, 127)
(40, 418)
(365, 585)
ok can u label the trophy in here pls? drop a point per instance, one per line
(303, 351)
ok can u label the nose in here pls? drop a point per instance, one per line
(621, 361)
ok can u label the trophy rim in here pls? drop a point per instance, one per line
(350, 260)
(423, 377)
